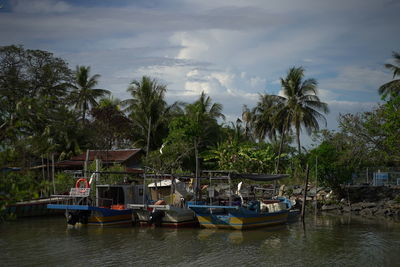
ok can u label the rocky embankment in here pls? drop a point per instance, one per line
(390, 208)
(368, 201)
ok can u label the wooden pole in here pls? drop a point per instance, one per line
(48, 166)
(52, 172)
(148, 139)
(85, 174)
(43, 169)
(196, 183)
(303, 206)
(316, 184)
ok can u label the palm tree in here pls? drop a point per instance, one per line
(203, 115)
(83, 92)
(302, 107)
(265, 117)
(270, 119)
(392, 87)
(204, 110)
(247, 118)
(298, 107)
(149, 111)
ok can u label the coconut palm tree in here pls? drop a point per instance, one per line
(298, 107)
(83, 94)
(204, 110)
(149, 111)
(247, 118)
(269, 119)
(392, 87)
(265, 120)
(202, 116)
(302, 107)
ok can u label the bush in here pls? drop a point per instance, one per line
(64, 181)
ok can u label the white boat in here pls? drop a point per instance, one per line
(166, 205)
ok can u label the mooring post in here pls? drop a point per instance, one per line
(303, 205)
(52, 173)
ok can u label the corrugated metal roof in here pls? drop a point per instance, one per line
(108, 155)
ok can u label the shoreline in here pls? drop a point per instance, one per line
(363, 200)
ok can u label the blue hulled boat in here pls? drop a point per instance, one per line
(107, 207)
(242, 214)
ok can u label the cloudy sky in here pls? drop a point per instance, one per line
(231, 49)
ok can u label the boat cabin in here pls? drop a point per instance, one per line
(117, 196)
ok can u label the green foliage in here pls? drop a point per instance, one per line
(64, 182)
(34, 115)
(109, 178)
(374, 136)
(84, 94)
(176, 156)
(148, 108)
(392, 88)
(192, 131)
(333, 166)
(112, 128)
(17, 186)
(391, 128)
(296, 168)
(113, 178)
(243, 158)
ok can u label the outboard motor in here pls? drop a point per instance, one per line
(72, 218)
(156, 217)
(77, 216)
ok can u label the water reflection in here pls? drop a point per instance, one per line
(327, 240)
(239, 237)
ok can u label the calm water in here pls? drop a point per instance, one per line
(325, 241)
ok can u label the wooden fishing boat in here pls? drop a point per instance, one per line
(108, 208)
(242, 214)
(165, 205)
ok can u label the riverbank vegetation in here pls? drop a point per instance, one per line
(48, 109)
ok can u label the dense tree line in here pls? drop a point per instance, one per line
(48, 109)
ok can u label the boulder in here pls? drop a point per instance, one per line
(328, 207)
(393, 206)
(356, 207)
(321, 195)
(297, 191)
(367, 212)
(312, 192)
(346, 208)
(367, 205)
(382, 212)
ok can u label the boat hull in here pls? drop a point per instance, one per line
(96, 215)
(175, 218)
(238, 218)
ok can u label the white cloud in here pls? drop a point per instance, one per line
(354, 82)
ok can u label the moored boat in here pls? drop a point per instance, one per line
(108, 208)
(242, 214)
(165, 205)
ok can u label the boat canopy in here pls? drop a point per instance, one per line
(259, 177)
(163, 183)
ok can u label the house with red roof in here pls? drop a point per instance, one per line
(129, 158)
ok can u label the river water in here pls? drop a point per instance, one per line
(321, 241)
